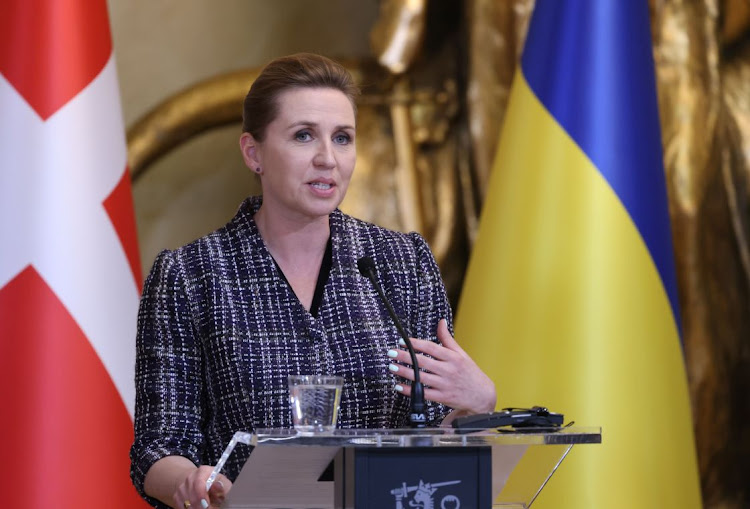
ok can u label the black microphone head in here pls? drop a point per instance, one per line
(366, 266)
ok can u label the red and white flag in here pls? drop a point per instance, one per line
(69, 266)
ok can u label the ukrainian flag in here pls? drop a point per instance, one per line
(570, 299)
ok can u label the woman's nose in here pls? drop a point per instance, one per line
(324, 156)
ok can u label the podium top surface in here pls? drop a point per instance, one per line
(428, 437)
(285, 467)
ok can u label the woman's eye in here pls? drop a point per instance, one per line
(342, 139)
(302, 136)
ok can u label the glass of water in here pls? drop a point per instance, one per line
(314, 400)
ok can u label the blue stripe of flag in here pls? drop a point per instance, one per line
(590, 63)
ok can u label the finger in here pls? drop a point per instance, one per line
(184, 497)
(403, 388)
(444, 336)
(425, 363)
(216, 499)
(429, 366)
(188, 502)
(432, 349)
(219, 490)
(217, 487)
(429, 394)
(178, 500)
(425, 377)
(401, 371)
(198, 501)
(197, 487)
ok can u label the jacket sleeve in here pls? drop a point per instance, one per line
(168, 373)
(430, 307)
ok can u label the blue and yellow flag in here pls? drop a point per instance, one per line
(570, 299)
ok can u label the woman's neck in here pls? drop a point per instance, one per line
(297, 247)
(291, 241)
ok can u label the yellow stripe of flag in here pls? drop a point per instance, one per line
(564, 307)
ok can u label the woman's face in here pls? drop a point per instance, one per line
(308, 154)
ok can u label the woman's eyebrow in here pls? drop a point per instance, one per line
(306, 123)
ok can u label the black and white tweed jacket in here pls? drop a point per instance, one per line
(219, 331)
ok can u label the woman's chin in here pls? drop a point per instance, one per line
(318, 209)
(323, 205)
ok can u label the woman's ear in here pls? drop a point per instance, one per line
(250, 153)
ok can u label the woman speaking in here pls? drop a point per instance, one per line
(226, 319)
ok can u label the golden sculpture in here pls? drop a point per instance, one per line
(396, 41)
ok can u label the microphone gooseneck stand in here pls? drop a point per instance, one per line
(417, 417)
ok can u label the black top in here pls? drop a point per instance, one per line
(325, 270)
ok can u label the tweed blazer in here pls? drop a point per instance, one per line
(220, 330)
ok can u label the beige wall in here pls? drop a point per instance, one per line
(164, 46)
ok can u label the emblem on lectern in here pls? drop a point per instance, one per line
(422, 496)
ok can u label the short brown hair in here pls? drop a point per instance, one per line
(301, 70)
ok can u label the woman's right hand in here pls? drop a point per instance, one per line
(192, 492)
(177, 482)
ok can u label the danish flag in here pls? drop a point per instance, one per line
(69, 266)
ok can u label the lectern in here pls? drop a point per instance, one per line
(402, 469)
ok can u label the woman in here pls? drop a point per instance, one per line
(226, 319)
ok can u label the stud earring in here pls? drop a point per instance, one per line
(257, 170)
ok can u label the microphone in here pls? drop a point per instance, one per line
(417, 417)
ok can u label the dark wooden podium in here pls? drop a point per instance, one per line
(429, 468)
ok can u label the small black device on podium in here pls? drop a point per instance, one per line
(518, 419)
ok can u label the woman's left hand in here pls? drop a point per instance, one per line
(449, 375)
